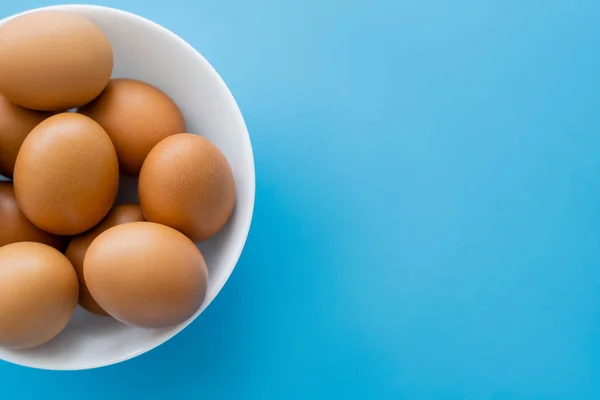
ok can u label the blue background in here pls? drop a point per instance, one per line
(427, 221)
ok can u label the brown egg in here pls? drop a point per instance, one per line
(136, 116)
(67, 174)
(78, 247)
(146, 275)
(53, 60)
(15, 124)
(14, 227)
(38, 294)
(187, 184)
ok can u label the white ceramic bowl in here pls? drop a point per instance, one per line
(146, 51)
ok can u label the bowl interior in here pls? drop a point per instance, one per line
(144, 50)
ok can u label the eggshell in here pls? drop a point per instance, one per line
(15, 124)
(38, 294)
(187, 184)
(53, 60)
(15, 227)
(66, 175)
(146, 275)
(136, 116)
(79, 245)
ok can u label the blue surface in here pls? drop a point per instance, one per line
(427, 222)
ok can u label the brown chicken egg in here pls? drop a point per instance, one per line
(38, 294)
(146, 275)
(53, 60)
(15, 124)
(187, 184)
(15, 227)
(66, 175)
(136, 116)
(122, 214)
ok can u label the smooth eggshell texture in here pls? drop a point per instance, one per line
(187, 184)
(38, 294)
(53, 60)
(15, 227)
(15, 124)
(67, 174)
(136, 116)
(146, 275)
(122, 214)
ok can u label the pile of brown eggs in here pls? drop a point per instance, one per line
(67, 133)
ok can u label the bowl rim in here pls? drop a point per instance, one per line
(240, 238)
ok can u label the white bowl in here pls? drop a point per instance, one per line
(146, 51)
